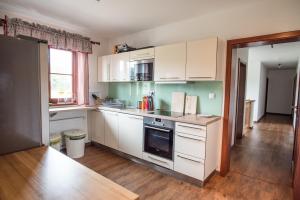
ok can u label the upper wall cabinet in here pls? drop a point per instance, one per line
(104, 68)
(142, 54)
(170, 61)
(119, 68)
(202, 59)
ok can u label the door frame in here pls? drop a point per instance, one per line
(291, 36)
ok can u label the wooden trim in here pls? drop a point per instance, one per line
(291, 36)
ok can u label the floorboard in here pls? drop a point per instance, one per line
(260, 169)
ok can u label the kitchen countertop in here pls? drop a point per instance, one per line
(192, 119)
(44, 173)
(69, 108)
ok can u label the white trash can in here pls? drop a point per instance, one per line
(75, 143)
(55, 141)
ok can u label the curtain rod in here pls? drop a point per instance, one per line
(3, 22)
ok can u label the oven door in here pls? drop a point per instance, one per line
(158, 141)
(141, 70)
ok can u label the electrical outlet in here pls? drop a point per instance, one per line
(211, 96)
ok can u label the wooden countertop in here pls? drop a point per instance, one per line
(44, 173)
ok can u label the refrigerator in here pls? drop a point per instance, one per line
(23, 94)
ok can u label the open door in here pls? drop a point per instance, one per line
(296, 154)
(240, 101)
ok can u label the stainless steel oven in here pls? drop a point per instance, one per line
(159, 137)
(142, 70)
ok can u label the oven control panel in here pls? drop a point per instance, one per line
(159, 122)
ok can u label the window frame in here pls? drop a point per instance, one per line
(73, 99)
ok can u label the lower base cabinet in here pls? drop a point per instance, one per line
(131, 135)
(189, 165)
(111, 129)
(195, 147)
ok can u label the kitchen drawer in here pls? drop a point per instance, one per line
(189, 165)
(191, 129)
(158, 160)
(192, 145)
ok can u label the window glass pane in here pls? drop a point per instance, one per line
(61, 86)
(60, 61)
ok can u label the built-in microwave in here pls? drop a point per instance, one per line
(142, 70)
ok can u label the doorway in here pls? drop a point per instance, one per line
(227, 122)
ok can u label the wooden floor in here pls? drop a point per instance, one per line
(260, 169)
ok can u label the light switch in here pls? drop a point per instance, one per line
(211, 96)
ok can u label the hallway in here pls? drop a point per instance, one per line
(265, 152)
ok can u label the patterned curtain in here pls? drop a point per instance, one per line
(56, 38)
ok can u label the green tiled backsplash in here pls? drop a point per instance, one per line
(134, 91)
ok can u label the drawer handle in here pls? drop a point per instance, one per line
(198, 128)
(161, 161)
(197, 161)
(185, 136)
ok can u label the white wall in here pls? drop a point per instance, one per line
(280, 92)
(267, 16)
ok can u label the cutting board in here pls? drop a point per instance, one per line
(190, 105)
(177, 102)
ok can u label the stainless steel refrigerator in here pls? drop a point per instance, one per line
(21, 123)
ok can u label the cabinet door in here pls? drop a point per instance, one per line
(142, 54)
(111, 129)
(170, 62)
(104, 68)
(131, 135)
(119, 70)
(202, 59)
(98, 127)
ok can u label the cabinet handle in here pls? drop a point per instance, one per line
(195, 77)
(158, 129)
(136, 118)
(164, 78)
(197, 161)
(161, 161)
(185, 136)
(198, 128)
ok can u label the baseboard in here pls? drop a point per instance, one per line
(156, 167)
(282, 114)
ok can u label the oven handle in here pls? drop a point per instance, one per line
(158, 129)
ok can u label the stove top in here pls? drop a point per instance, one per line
(167, 113)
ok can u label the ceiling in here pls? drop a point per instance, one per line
(285, 54)
(111, 18)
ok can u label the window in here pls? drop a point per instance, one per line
(61, 77)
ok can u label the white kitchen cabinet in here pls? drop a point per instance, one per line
(119, 68)
(170, 61)
(196, 149)
(98, 126)
(111, 129)
(131, 135)
(104, 63)
(202, 59)
(142, 54)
